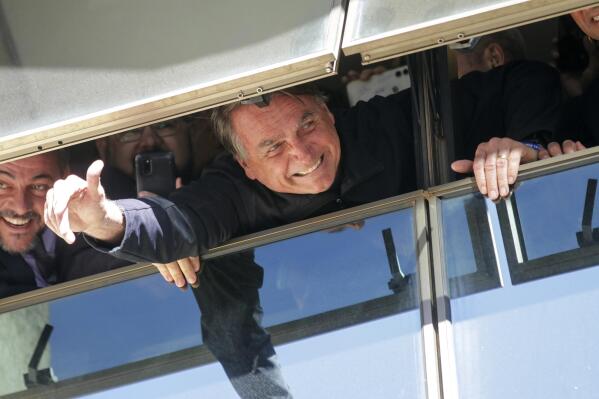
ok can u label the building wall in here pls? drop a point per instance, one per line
(19, 333)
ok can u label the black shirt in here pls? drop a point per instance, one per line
(377, 162)
(580, 119)
(520, 100)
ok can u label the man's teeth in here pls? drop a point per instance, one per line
(596, 18)
(17, 221)
(312, 169)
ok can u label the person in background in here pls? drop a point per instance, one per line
(500, 99)
(188, 138)
(483, 53)
(31, 256)
(580, 119)
(503, 100)
(284, 165)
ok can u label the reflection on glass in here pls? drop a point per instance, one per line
(98, 330)
(331, 269)
(468, 248)
(120, 324)
(551, 224)
(381, 16)
(538, 339)
(551, 210)
(350, 293)
(20, 332)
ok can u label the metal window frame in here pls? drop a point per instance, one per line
(442, 301)
(184, 101)
(283, 333)
(442, 285)
(451, 29)
(434, 291)
(439, 358)
(198, 356)
(428, 308)
(239, 244)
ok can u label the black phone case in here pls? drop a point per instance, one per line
(155, 172)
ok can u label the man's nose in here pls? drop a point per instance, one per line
(301, 150)
(148, 140)
(21, 202)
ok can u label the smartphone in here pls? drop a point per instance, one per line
(155, 172)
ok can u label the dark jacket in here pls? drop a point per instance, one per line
(520, 100)
(71, 262)
(580, 120)
(376, 162)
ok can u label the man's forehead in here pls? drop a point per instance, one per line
(280, 109)
(37, 165)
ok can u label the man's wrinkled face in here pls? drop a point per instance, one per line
(588, 21)
(23, 187)
(291, 145)
(119, 151)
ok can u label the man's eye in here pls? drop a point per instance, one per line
(308, 125)
(131, 135)
(274, 148)
(3, 186)
(40, 187)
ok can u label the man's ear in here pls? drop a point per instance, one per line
(494, 56)
(102, 146)
(246, 168)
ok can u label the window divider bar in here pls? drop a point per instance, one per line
(243, 243)
(447, 364)
(427, 308)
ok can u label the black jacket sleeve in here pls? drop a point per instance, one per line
(80, 260)
(195, 218)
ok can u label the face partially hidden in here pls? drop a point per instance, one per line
(291, 145)
(588, 21)
(119, 151)
(23, 187)
(469, 62)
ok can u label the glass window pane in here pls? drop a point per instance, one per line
(537, 335)
(333, 301)
(381, 29)
(70, 59)
(468, 248)
(549, 229)
(380, 16)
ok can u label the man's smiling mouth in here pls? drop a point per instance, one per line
(17, 222)
(311, 169)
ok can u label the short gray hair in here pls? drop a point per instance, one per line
(221, 117)
(511, 41)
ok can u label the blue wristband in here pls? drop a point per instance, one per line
(534, 146)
